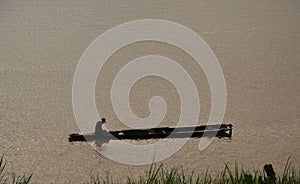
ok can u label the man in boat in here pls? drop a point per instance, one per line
(99, 127)
(100, 132)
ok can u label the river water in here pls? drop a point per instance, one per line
(257, 46)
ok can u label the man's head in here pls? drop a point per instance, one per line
(103, 120)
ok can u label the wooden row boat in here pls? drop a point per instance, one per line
(218, 130)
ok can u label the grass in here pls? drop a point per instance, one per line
(158, 175)
(14, 179)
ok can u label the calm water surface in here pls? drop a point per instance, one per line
(256, 43)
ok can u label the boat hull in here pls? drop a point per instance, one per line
(221, 130)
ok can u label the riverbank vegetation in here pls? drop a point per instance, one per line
(158, 175)
(14, 179)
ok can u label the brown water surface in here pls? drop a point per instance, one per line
(256, 42)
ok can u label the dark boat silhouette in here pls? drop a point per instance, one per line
(218, 130)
